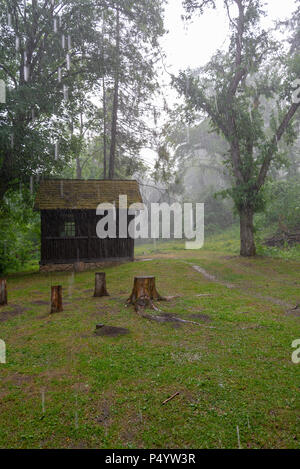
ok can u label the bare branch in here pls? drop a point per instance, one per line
(276, 139)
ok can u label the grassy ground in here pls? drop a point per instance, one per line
(107, 392)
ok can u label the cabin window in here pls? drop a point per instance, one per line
(68, 228)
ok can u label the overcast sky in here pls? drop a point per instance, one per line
(192, 45)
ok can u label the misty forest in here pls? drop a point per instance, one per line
(147, 343)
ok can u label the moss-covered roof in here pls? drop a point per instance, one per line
(76, 194)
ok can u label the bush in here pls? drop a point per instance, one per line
(19, 231)
(283, 204)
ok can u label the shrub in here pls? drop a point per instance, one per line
(283, 203)
(19, 231)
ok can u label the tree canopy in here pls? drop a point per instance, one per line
(55, 55)
(232, 90)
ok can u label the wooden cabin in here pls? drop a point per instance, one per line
(69, 220)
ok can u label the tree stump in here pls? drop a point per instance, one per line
(3, 292)
(56, 299)
(144, 292)
(100, 285)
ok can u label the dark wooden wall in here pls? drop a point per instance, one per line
(85, 246)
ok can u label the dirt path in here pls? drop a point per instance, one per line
(211, 277)
(248, 289)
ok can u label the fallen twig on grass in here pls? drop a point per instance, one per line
(206, 294)
(169, 298)
(252, 327)
(170, 398)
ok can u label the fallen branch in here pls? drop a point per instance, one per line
(205, 294)
(169, 318)
(170, 398)
(283, 237)
(169, 298)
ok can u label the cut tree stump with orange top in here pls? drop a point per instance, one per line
(144, 293)
(56, 299)
(3, 292)
(100, 285)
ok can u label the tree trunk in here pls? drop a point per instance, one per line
(248, 248)
(3, 292)
(78, 162)
(113, 140)
(100, 285)
(144, 292)
(5, 176)
(56, 299)
(104, 131)
(78, 168)
(3, 190)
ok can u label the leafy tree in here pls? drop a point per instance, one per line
(44, 46)
(134, 29)
(88, 163)
(231, 90)
(117, 61)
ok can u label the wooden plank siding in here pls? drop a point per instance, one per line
(85, 246)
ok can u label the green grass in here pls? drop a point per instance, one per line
(225, 241)
(107, 392)
(288, 252)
